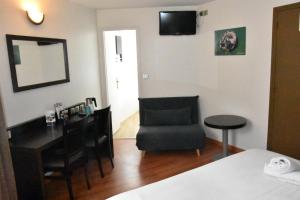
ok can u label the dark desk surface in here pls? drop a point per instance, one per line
(43, 136)
(225, 121)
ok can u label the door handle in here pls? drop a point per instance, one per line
(117, 82)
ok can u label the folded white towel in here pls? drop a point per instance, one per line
(293, 177)
(280, 165)
(284, 169)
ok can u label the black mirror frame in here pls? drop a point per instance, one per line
(16, 88)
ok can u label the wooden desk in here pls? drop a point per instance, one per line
(28, 143)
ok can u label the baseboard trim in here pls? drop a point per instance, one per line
(231, 148)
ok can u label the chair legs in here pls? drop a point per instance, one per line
(98, 157)
(111, 162)
(69, 184)
(198, 152)
(110, 155)
(86, 177)
(68, 175)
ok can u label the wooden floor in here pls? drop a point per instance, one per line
(131, 171)
(129, 127)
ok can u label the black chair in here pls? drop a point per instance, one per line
(73, 154)
(100, 137)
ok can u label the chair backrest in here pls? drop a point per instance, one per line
(166, 103)
(102, 123)
(74, 139)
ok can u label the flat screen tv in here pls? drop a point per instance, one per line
(177, 22)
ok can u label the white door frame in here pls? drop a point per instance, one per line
(103, 67)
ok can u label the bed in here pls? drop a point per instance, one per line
(237, 177)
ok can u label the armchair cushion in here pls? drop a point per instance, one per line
(180, 116)
(153, 138)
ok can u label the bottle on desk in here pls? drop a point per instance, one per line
(88, 110)
(90, 105)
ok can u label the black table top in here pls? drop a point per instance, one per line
(41, 137)
(225, 121)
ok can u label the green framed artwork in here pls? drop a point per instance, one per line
(230, 42)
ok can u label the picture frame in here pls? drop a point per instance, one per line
(230, 41)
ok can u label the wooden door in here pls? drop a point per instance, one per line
(284, 115)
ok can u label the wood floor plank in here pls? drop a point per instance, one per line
(129, 127)
(131, 171)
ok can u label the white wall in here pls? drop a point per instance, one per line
(238, 84)
(62, 20)
(157, 54)
(186, 65)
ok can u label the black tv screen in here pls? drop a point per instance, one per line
(177, 22)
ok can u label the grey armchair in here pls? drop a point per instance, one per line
(170, 123)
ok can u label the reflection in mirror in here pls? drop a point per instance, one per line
(46, 60)
(37, 62)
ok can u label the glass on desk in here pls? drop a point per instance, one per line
(50, 118)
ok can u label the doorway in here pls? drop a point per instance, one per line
(120, 50)
(284, 115)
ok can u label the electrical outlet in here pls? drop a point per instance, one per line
(145, 76)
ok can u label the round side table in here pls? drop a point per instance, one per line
(225, 122)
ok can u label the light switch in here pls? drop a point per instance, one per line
(145, 76)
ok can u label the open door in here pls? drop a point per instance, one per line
(120, 48)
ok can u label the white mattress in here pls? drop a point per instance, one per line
(238, 177)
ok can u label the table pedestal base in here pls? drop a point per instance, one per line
(221, 155)
(225, 146)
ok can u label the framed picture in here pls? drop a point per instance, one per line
(230, 42)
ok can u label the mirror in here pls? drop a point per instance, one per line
(37, 62)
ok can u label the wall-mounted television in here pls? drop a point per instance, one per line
(177, 22)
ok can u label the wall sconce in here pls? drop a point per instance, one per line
(34, 15)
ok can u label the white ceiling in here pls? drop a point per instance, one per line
(109, 4)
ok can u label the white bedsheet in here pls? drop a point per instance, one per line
(238, 177)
